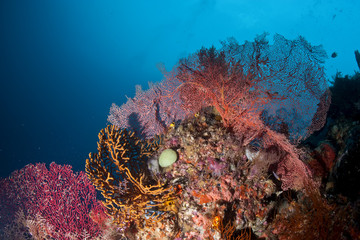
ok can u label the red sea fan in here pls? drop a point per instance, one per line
(61, 198)
(276, 93)
(282, 84)
(284, 81)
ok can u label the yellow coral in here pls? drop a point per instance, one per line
(119, 170)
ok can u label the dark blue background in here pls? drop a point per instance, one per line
(62, 63)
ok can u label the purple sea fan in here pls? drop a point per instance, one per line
(149, 112)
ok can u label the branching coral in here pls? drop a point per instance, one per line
(119, 170)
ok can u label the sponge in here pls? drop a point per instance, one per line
(167, 158)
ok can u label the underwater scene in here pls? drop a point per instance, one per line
(240, 139)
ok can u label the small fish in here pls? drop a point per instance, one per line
(276, 176)
(334, 55)
(172, 125)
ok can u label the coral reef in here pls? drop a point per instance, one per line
(237, 113)
(283, 83)
(217, 192)
(215, 151)
(223, 189)
(215, 176)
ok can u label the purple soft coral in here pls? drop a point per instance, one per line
(216, 166)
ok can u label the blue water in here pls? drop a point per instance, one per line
(63, 63)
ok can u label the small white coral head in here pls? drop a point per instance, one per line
(167, 158)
